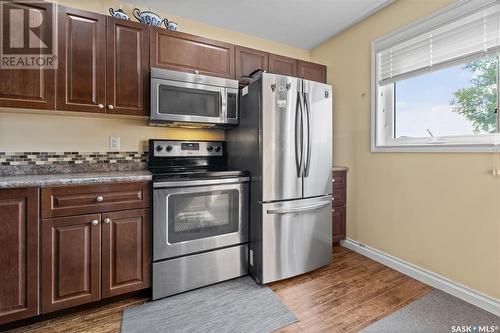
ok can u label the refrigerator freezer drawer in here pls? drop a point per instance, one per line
(296, 237)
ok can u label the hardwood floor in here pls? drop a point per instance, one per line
(345, 296)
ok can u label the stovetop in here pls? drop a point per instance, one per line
(171, 160)
(158, 175)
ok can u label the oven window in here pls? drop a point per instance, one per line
(187, 101)
(202, 214)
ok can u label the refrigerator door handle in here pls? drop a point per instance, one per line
(307, 163)
(298, 209)
(299, 137)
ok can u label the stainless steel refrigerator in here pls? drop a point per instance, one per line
(285, 140)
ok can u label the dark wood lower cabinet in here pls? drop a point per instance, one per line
(18, 254)
(338, 223)
(71, 261)
(339, 182)
(126, 254)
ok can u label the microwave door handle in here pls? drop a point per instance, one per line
(223, 104)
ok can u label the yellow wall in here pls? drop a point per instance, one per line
(440, 211)
(23, 130)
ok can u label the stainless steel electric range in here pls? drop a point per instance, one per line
(200, 216)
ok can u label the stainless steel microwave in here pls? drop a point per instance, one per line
(186, 99)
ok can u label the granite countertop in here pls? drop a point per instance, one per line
(73, 178)
(340, 168)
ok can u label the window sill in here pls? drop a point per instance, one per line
(437, 148)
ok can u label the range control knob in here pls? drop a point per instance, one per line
(169, 148)
(210, 148)
(217, 149)
(159, 148)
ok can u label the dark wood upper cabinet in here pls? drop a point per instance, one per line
(127, 67)
(18, 254)
(82, 61)
(312, 71)
(71, 261)
(28, 88)
(248, 61)
(126, 253)
(282, 65)
(189, 53)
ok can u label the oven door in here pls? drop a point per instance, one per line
(176, 101)
(193, 219)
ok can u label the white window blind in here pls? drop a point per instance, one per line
(469, 36)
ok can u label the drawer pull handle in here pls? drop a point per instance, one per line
(95, 222)
(107, 220)
(100, 199)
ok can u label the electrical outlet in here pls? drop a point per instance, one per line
(114, 143)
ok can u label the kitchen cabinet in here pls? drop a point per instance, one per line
(85, 199)
(249, 61)
(312, 71)
(282, 65)
(18, 254)
(103, 64)
(28, 88)
(71, 261)
(82, 61)
(127, 67)
(339, 183)
(188, 53)
(95, 242)
(126, 251)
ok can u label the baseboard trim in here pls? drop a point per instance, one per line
(467, 294)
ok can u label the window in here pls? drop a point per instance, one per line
(436, 82)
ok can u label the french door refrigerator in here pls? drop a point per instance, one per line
(284, 139)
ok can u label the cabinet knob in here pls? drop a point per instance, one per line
(110, 107)
(333, 180)
(196, 72)
(95, 222)
(100, 106)
(99, 199)
(107, 220)
(333, 198)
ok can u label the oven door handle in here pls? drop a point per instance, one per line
(186, 183)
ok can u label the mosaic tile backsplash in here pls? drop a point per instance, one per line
(69, 158)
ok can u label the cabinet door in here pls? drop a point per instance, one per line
(71, 261)
(126, 253)
(189, 53)
(338, 223)
(18, 254)
(82, 61)
(282, 65)
(28, 88)
(248, 61)
(127, 67)
(312, 71)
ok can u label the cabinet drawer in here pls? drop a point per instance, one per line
(85, 199)
(339, 179)
(338, 197)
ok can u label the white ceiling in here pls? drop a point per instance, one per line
(301, 23)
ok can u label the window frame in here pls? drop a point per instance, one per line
(382, 98)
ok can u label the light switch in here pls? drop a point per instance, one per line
(114, 143)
